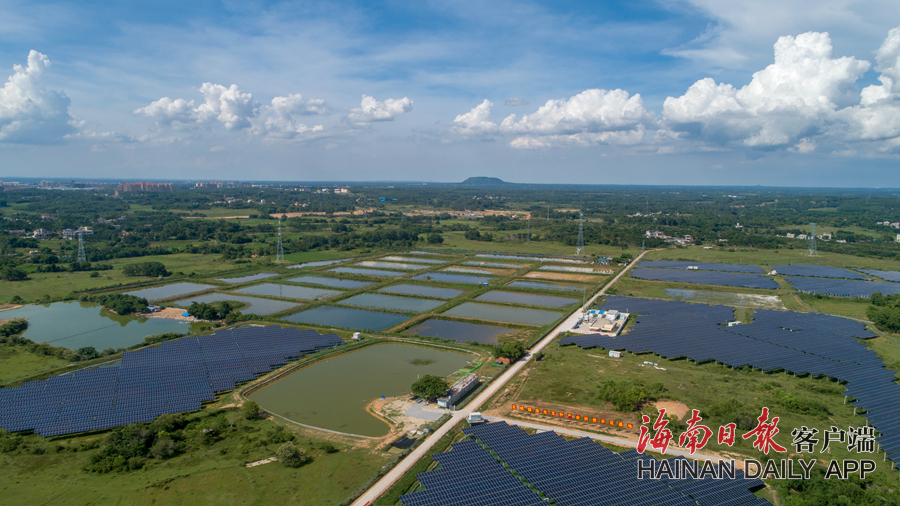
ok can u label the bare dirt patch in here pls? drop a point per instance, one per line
(673, 408)
(171, 313)
(563, 276)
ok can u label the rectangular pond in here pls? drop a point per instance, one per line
(528, 299)
(509, 314)
(320, 263)
(289, 291)
(499, 265)
(537, 285)
(367, 272)
(333, 282)
(333, 394)
(414, 260)
(168, 291)
(393, 302)
(452, 278)
(247, 279)
(347, 317)
(75, 325)
(424, 291)
(467, 270)
(463, 332)
(392, 265)
(252, 305)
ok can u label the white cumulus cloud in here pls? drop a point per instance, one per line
(878, 115)
(794, 98)
(29, 112)
(371, 110)
(476, 123)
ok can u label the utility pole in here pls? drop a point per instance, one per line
(279, 253)
(81, 256)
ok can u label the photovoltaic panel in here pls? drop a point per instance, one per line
(813, 343)
(677, 264)
(737, 279)
(817, 271)
(842, 287)
(885, 275)
(174, 377)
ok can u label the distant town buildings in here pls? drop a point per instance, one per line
(143, 186)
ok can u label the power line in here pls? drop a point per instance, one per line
(81, 256)
(812, 241)
(579, 246)
(279, 254)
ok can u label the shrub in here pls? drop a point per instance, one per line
(250, 410)
(291, 456)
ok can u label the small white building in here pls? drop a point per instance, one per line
(615, 354)
(458, 391)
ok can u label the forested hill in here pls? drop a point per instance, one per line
(484, 181)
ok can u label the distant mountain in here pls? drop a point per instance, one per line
(484, 181)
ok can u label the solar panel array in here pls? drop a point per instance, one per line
(886, 275)
(738, 279)
(676, 264)
(175, 377)
(842, 287)
(570, 473)
(797, 342)
(817, 271)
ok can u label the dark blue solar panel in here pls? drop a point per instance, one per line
(885, 275)
(842, 287)
(817, 344)
(676, 264)
(817, 271)
(174, 377)
(706, 278)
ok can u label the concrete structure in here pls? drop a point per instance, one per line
(475, 418)
(615, 354)
(458, 391)
(595, 321)
(41, 234)
(144, 186)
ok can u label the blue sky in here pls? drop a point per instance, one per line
(656, 92)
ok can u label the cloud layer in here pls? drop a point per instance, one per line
(29, 112)
(371, 110)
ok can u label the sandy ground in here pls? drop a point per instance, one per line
(673, 408)
(171, 313)
(396, 409)
(562, 276)
(7, 307)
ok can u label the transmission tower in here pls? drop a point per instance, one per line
(81, 255)
(529, 230)
(812, 241)
(279, 255)
(579, 246)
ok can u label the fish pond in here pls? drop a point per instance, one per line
(463, 332)
(452, 278)
(392, 265)
(347, 317)
(75, 325)
(497, 313)
(528, 299)
(320, 263)
(289, 291)
(168, 291)
(424, 291)
(414, 260)
(252, 305)
(247, 279)
(367, 272)
(333, 394)
(536, 285)
(394, 302)
(333, 282)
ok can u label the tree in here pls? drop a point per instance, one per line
(291, 456)
(250, 410)
(149, 269)
(87, 352)
(12, 274)
(430, 387)
(435, 238)
(511, 350)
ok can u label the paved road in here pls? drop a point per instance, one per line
(404, 465)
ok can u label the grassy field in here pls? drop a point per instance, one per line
(766, 257)
(215, 475)
(455, 240)
(16, 361)
(571, 377)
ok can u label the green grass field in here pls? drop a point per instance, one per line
(17, 361)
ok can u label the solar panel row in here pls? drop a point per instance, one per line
(742, 280)
(569, 473)
(676, 264)
(776, 340)
(817, 271)
(175, 377)
(842, 287)
(886, 275)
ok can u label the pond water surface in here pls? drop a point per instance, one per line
(463, 332)
(397, 303)
(289, 291)
(452, 278)
(333, 282)
(253, 305)
(367, 272)
(504, 313)
(392, 265)
(528, 299)
(78, 324)
(363, 319)
(245, 279)
(333, 394)
(414, 260)
(424, 291)
(166, 291)
(320, 263)
(544, 286)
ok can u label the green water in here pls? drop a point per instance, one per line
(333, 394)
(78, 324)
